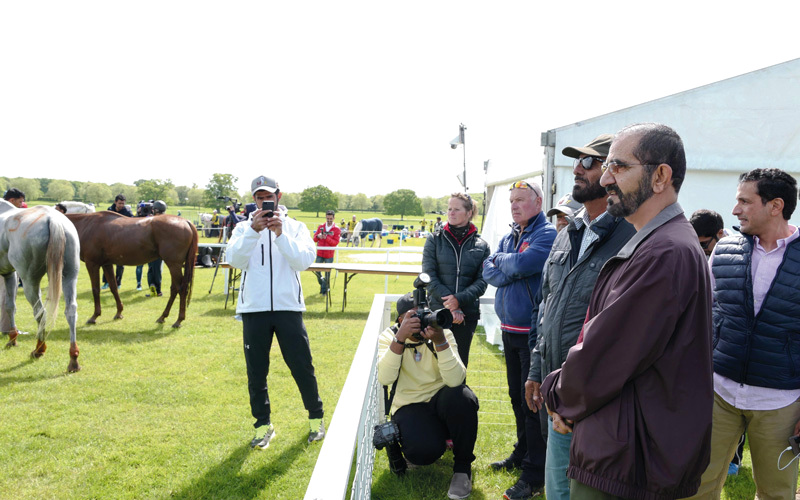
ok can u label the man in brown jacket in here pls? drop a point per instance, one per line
(638, 385)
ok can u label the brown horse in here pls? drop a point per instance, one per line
(109, 239)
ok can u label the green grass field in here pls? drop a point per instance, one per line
(163, 413)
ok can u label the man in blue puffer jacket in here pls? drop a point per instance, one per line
(756, 318)
(516, 270)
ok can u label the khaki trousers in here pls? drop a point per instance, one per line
(768, 433)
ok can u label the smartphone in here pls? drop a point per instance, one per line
(794, 442)
(268, 208)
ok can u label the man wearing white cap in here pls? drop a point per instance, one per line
(565, 208)
(271, 303)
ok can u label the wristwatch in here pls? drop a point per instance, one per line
(401, 343)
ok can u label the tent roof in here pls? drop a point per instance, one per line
(737, 124)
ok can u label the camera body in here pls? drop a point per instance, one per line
(441, 318)
(144, 208)
(234, 207)
(387, 435)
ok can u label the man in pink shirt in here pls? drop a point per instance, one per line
(756, 318)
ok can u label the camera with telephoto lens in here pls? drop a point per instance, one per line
(441, 318)
(144, 208)
(234, 207)
(387, 435)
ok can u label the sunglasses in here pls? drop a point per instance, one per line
(587, 161)
(520, 185)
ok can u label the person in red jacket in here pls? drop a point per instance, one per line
(327, 235)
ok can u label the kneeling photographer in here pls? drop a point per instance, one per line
(431, 404)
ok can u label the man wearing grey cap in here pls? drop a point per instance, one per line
(590, 239)
(566, 207)
(271, 303)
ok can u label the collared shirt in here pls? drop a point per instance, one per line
(589, 237)
(763, 266)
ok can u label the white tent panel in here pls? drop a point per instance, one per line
(728, 128)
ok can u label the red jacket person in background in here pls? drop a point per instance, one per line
(327, 235)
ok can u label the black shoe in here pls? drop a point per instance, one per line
(507, 464)
(522, 491)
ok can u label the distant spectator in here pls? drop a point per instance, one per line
(709, 228)
(326, 235)
(154, 268)
(438, 225)
(120, 208)
(565, 208)
(15, 197)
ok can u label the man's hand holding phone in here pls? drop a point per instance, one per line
(266, 218)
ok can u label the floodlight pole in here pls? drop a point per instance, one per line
(461, 130)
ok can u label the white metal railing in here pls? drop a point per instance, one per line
(360, 407)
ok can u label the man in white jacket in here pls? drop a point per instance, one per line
(271, 302)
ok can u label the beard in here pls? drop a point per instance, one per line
(587, 192)
(630, 202)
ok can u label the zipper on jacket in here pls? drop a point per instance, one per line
(751, 301)
(241, 287)
(271, 291)
(299, 287)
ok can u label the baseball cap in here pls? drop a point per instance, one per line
(566, 205)
(266, 183)
(598, 147)
(405, 304)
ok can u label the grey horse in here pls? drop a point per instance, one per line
(35, 241)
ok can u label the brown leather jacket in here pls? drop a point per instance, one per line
(639, 387)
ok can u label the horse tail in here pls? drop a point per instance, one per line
(188, 265)
(55, 267)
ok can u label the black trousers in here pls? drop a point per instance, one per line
(120, 270)
(452, 413)
(257, 332)
(154, 274)
(463, 333)
(529, 450)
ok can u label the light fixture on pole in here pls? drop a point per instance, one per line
(453, 145)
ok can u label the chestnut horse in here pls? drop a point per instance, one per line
(108, 239)
(34, 241)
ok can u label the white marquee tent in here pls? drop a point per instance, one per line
(728, 127)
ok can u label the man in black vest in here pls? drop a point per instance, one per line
(756, 336)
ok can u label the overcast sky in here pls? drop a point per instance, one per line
(358, 96)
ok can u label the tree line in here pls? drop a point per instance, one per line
(221, 190)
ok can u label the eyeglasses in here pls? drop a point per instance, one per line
(615, 167)
(586, 162)
(520, 185)
(704, 244)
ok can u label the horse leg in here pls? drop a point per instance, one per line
(112, 284)
(174, 289)
(9, 306)
(34, 296)
(94, 276)
(69, 288)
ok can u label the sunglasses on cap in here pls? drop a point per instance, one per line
(587, 161)
(520, 185)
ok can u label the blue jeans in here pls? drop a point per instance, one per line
(556, 482)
